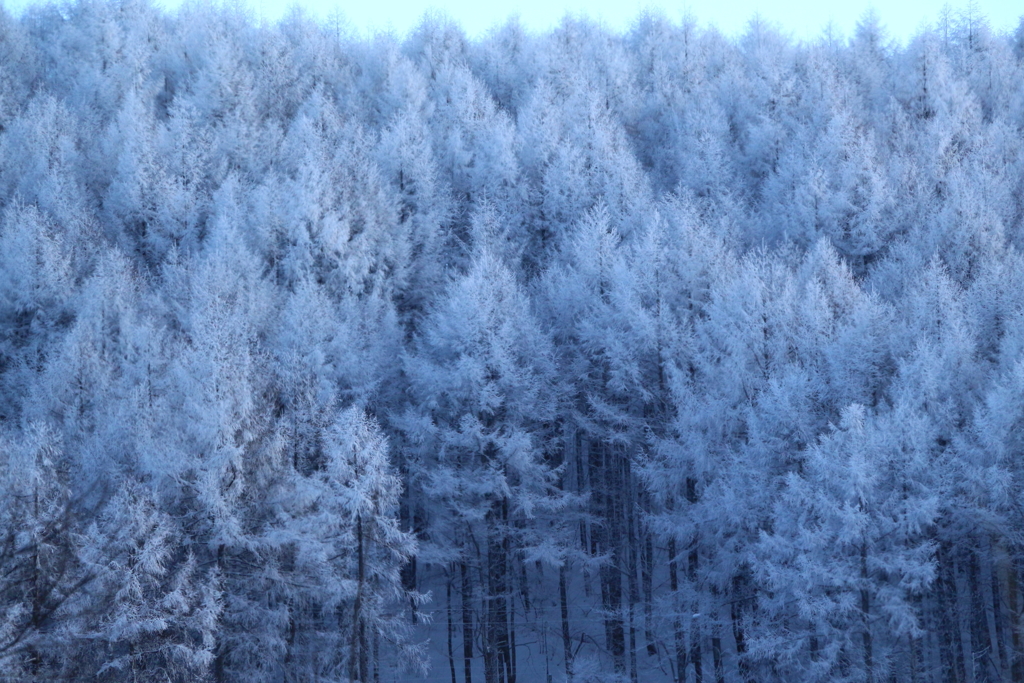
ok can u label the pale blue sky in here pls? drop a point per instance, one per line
(802, 18)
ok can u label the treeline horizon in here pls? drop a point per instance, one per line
(567, 356)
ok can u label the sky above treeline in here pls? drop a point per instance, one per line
(803, 19)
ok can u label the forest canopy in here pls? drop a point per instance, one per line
(576, 356)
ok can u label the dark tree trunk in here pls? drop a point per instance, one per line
(407, 515)
(376, 657)
(988, 588)
(611, 572)
(648, 581)
(364, 653)
(632, 551)
(716, 653)
(563, 595)
(220, 660)
(677, 623)
(738, 595)
(357, 655)
(1006, 569)
(693, 561)
(949, 643)
(497, 659)
(865, 610)
(451, 630)
(964, 612)
(467, 623)
(604, 540)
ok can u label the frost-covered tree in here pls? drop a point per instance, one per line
(866, 499)
(481, 379)
(43, 574)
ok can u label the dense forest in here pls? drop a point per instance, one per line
(654, 356)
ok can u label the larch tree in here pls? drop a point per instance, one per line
(481, 375)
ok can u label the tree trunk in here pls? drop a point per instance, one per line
(737, 628)
(648, 581)
(632, 542)
(948, 634)
(865, 612)
(35, 657)
(612, 571)
(364, 654)
(693, 561)
(963, 614)
(451, 630)
(220, 660)
(716, 653)
(605, 539)
(988, 589)
(407, 516)
(912, 648)
(563, 595)
(376, 657)
(356, 654)
(467, 623)
(1007, 572)
(497, 660)
(587, 541)
(931, 657)
(510, 670)
(677, 624)
(696, 656)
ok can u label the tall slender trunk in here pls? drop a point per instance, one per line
(407, 515)
(865, 610)
(912, 648)
(611, 573)
(1007, 571)
(716, 643)
(632, 543)
(605, 539)
(988, 589)
(356, 655)
(467, 623)
(364, 653)
(223, 649)
(696, 655)
(738, 634)
(963, 614)
(497, 659)
(949, 650)
(648, 581)
(677, 624)
(693, 561)
(930, 657)
(563, 595)
(35, 658)
(510, 603)
(510, 668)
(632, 642)
(587, 542)
(376, 657)
(451, 630)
